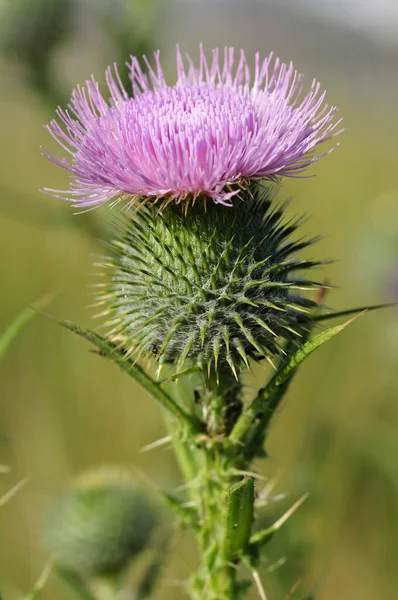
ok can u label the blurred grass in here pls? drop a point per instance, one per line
(63, 409)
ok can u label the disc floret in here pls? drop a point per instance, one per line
(216, 127)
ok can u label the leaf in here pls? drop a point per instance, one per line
(351, 311)
(239, 518)
(26, 315)
(265, 402)
(111, 351)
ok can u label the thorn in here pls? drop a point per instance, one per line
(269, 360)
(13, 491)
(292, 590)
(257, 581)
(278, 524)
(186, 486)
(209, 363)
(242, 353)
(246, 333)
(161, 442)
(279, 563)
(249, 474)
(292, 330)
(45, 574)
(262, 537)
(216, 352)
(203, 330)
(232, 366)
(265, 493)
(265, 326)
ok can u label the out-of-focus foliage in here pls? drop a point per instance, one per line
(98, 527)
(30, 32)
(17, 325)
(100, 523)
(64, 409)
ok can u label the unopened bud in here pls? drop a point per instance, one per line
(100, 523)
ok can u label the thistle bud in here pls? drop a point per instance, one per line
(214, 285)
(98, 525)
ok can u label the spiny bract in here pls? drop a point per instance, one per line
(215, 286)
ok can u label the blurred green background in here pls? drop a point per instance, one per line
(64, 409)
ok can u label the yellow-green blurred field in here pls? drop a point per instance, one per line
(64, 409)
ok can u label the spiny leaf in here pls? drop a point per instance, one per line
(263, 402)
(351, 311)
(111, 351)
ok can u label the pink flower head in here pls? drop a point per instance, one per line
(213, 131)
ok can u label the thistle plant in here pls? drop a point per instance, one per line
(206, 274)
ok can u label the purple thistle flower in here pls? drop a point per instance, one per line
(209, 134)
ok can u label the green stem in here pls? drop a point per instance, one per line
(223, 500)
(216, 576)
(222, 401)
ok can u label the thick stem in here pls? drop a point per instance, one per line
(219, 493)
(222, 401)
(216, 577)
